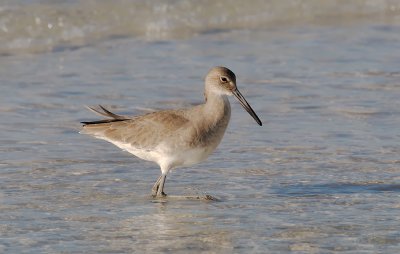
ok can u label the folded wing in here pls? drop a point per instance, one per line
(141, 132)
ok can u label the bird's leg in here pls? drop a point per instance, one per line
(158, 187)
(155, 187)
(160, 191)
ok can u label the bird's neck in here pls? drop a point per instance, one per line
(217, 107)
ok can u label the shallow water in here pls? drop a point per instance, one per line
(320, 176)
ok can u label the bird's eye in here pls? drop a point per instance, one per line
(223, 79)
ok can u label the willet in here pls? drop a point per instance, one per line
(174, 138)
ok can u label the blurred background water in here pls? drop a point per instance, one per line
(321, 176)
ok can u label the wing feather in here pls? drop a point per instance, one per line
(144, 132)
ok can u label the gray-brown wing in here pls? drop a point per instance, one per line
(144, 132)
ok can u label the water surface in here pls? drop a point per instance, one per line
(320, 176)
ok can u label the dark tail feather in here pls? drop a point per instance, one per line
(106, 113)
(104, 121)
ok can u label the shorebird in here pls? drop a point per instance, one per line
(177, 137)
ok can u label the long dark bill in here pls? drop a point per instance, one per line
(246, 106)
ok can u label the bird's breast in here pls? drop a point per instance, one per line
(191, 156)
(209, 134)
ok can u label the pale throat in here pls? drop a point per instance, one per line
(217, 106)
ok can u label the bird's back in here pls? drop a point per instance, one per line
(142, 132)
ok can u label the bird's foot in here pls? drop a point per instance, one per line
(155, 194)
(161, 195)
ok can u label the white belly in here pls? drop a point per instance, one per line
(192, 156)
(174, 158)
